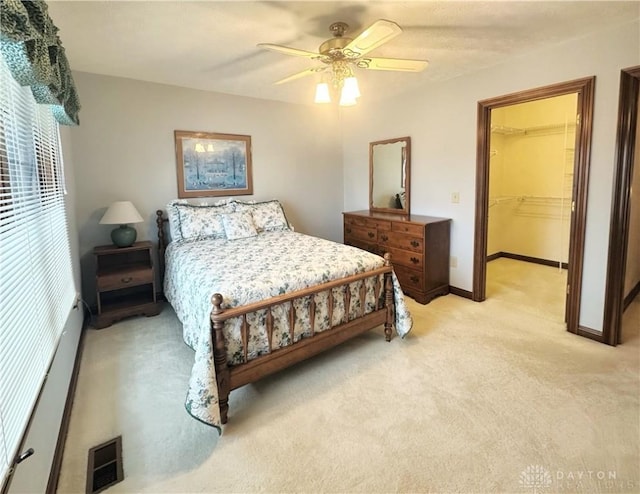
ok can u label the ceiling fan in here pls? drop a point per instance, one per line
(340, 55)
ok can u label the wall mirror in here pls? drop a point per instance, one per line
(389, 175)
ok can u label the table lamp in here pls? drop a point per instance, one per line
(121, 213)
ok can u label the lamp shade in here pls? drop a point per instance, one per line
(350, 88)
(322, 93)
(121, 213)
(346, 99)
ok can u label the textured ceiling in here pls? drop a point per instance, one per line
(211, 45)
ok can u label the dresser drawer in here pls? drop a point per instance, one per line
(401, 241)
(406, 258)
(360, 233)
(362, 245)
(125, 278)
(409, 278)
(368, 223)
(410, 228)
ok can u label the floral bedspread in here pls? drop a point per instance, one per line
(253, 269)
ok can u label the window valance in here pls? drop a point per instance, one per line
(33, 51)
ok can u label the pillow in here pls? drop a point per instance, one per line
(239, 225)
(199, 222)
(174, 219)
(267, 216)
(224, 202)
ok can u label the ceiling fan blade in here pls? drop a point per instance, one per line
(392, 64)
(377, 33)
(312, 70)
(288, 51)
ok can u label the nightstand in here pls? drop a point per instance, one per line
(125, 283)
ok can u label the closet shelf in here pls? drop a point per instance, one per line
(507, 131)
(528, 199)
(499, 200)
(533, 131)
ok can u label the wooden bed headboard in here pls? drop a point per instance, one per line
(162, 241)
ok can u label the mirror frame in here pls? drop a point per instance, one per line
(407, 177)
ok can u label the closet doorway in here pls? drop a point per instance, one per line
(531, 183)
(531, 158)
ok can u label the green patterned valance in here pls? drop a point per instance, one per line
(30, 45)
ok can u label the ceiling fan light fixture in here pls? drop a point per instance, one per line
(341, 55)
(346, 99)
(350, 87)
(322, 93)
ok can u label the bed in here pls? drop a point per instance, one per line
(255, 297)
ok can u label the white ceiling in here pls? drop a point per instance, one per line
(211, 45)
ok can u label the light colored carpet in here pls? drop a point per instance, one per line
(478, 398)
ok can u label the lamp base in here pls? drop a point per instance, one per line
(124, 236)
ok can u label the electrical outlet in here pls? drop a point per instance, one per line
(455, 197)
(453, 261)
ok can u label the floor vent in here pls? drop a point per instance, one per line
(104, 467)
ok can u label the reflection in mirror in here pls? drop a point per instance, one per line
(389, 175)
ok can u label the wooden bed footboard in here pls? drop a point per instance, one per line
(232, 377)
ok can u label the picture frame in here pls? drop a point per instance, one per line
(212, 164)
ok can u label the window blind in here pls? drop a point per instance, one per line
(37, 289)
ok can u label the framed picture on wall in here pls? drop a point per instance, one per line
(211, 164)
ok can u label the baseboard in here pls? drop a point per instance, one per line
(629, 298)
(460, 292)
(56, 464)
(518, 257)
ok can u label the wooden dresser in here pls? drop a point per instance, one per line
(419, 248)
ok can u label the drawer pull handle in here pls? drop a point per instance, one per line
(414, 279)
(127, 280)
(384, 238)
(414, 243)
(371, 234)
(414, 260)
(348, 230)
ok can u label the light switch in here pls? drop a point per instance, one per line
(455, 197)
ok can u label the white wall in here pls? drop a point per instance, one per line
(32, 475)
(632, 269)
(124, 150)
(442, 122)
